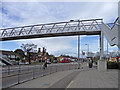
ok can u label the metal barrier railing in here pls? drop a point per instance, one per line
(12, 75)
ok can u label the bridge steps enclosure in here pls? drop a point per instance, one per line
(112, 34)
(6, 61)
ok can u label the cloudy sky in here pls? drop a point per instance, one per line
(31, 13)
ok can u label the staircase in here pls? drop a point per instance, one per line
(6, 61)
(112, 34)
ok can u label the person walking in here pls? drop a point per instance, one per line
(90, 63)
(45, 65)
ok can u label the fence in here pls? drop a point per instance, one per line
(12, 75)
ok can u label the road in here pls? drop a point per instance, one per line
(23, 73)
(67, 79)
(76, 78)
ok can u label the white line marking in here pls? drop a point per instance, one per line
(69, 84)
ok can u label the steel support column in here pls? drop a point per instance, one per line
(102, 66)
(101, 46)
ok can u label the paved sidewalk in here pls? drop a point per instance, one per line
(85, 78)
(44, 82)
(92, 78)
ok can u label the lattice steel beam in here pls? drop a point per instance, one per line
(88, 27)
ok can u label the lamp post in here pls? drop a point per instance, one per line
(78, 51)
(88, 48)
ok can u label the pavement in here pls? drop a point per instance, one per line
(92, 78)
(79, 78)
(46, 81)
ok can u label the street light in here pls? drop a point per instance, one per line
(88, 48)
(78, 51)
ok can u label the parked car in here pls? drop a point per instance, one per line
(26, 62)
(55, 61)
(48, 62)
(21, 63)
(65, 61)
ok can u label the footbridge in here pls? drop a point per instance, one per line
(69, 28)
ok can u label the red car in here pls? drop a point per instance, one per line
(65, 61)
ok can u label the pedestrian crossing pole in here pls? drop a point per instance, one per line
(78, 51)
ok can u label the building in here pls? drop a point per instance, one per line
(43, 55)
(9, 57)
(9, 54)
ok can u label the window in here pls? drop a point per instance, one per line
(12, 56)
(4, 55)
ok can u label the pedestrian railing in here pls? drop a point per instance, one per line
(12, 75)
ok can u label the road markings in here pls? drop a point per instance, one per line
(69, 84)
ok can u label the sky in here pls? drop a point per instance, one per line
(31, 13)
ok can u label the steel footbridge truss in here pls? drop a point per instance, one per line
(72, 27)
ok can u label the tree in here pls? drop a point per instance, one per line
(27, 49)
(20, 52)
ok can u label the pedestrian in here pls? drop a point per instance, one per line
(45, 65)
(90, 63)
